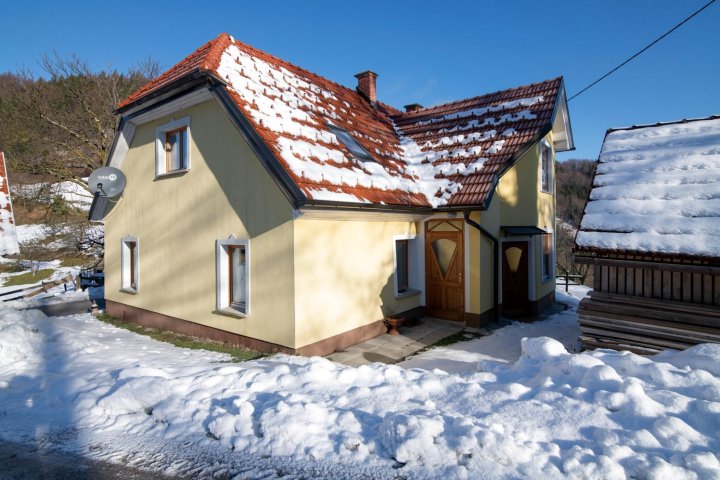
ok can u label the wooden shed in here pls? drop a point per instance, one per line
(651, 230)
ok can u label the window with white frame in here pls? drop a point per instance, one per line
(406, 269)
(546, 168)
(233, 276)
(547, 256)
(172, 147)
(129, 264)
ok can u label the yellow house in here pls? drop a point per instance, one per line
(268, 206)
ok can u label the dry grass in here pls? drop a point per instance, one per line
(28, 277)
(238, 354)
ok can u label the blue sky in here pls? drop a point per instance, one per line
(424, 52)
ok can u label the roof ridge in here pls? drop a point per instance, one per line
(660, 124)
(426, 110)
(212, 58)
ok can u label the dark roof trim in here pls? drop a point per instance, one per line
(257, 144)
(98, 208)
(367, 207)
(522, 230)
(190, 81)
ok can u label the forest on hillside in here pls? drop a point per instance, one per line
(55, 129)
(573, 179)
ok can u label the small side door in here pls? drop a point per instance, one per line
(515, 284)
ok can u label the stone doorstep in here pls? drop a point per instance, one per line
(395, 348)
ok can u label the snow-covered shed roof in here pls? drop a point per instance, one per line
(8, 233)
(656, 190)
(445, 156)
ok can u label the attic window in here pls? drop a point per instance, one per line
(355, 148)
(172, 147)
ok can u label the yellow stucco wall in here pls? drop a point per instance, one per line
(523, 203)
(344, 275)
(178, 219)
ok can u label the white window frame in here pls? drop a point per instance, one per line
(125, 270)
(545, 276)
(413, 265)
(160, 154)
(222, 259)
(546, 170)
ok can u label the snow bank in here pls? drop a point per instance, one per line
(550, 414)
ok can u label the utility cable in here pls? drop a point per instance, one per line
(643, 50)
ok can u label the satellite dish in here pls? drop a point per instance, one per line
(107, 182)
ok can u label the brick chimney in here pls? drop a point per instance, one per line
(413, 107)
(366, 85)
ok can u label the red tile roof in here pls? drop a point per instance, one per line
(205, 58)
(448, 155)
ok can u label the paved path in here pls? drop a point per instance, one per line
(28, 462)
(394, 348)
(63, 309)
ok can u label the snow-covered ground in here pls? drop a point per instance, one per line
(74, 194)
(504, 345)
(88, 387)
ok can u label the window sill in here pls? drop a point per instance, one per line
(174, 173)
(131, 291)
(230, 312)
(407, 293)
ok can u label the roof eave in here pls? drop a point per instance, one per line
(563, 140)
(187, 82)
(349, 206)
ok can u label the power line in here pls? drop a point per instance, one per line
(643, 50)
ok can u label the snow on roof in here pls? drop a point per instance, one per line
(445, 155)
(657, 189)
(8, 234)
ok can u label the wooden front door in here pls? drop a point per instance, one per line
(515, 279)
(444, 264)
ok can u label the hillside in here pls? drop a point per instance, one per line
(573, 182)
(574, 178)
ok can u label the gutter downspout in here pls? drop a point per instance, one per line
(496, 263)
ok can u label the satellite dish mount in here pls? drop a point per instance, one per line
(104, 183)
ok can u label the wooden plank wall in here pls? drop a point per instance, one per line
(656, 282)
(645, 325)
(645, 305)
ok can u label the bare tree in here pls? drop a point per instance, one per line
(74, 110)
(58, 127)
